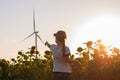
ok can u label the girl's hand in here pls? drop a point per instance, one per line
(47, 44)
(77, 63)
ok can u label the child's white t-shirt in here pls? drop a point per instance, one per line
(58, 64)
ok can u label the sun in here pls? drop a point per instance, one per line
(104, 27)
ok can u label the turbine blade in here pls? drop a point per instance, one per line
(40, 39)
(34, 19)
(29, 36)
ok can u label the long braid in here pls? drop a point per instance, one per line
(63, 51)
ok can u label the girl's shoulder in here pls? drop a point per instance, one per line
(52, 46)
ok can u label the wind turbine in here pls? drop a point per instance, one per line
(35, 33)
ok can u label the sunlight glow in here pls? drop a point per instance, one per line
(104, 27)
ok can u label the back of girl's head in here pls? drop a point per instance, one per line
(60, 35)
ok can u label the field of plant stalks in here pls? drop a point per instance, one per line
(98, 62)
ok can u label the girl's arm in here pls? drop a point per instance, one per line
(68, 60)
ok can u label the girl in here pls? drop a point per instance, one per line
(61, 53)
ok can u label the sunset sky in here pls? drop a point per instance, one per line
(82, 20)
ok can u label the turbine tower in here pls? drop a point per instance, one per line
(35, 32)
